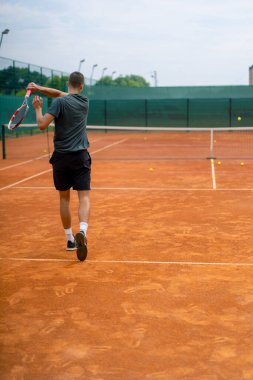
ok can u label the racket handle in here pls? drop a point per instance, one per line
(28, 93)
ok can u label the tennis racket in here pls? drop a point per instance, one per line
(20, 114)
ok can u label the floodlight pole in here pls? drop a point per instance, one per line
(251, 75)
(154, 75)
(6, 31)
(114, 72)
(105, 68)
(92, 72)
(80, 64)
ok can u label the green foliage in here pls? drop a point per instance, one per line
(13, 80)
(21, 93)
(131, 81)
(105, 81)
(127, 81)
(60, 83)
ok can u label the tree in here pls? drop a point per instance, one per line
(127, 81)
(105, 81)
(15, 79)
(131, 81)
(60, 83)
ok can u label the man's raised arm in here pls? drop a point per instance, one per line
(51, 92)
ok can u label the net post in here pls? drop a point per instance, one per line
(3, 142)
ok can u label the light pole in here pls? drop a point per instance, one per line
(154, 75)
(92, 72)
(105, 68)
(251, 75)
(80, 64)
(5, 31)
(113, 73)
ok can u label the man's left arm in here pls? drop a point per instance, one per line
(43, 121)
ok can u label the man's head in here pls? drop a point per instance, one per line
(76, 81)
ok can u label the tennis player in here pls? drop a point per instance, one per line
(70, 160)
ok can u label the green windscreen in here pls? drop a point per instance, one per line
(97, 115)
(243, 109)
(188, 112)
(192, 113)
(125, 112)
(167, 112)
(209, 112)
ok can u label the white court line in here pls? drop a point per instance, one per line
(25, 179)
(24, 162)
(38, 158)
(108, 146)
(34, 187)
(39, 260)
(131, 188)
(48, 170)
(213, 175)
(188, 263)
(135, 262)
(96, 140)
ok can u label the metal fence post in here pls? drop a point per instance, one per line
(187, 113)
(3, 143)
(146, 112)
(105, 112)
(230, 112)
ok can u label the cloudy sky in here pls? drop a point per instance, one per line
(188, 42)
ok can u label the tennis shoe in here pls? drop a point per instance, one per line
(71, 245)
(81, 245)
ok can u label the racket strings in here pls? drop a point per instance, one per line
(18, 116)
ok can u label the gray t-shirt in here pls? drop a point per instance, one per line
(70, 113)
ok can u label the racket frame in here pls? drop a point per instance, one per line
(24, 105)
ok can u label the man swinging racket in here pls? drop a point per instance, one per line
(71, 160)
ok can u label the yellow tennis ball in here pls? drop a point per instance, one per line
(151, 169)
(219, 162)
(242, 163)
(239, 118)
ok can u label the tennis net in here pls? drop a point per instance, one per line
(26, 141)
(138, 143)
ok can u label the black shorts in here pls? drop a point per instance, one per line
(71, 169)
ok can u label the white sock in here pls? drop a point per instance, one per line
(84, 227)
(69, 234)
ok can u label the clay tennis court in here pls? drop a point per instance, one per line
(166, 292)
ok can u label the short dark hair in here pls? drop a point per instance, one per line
(76, 79)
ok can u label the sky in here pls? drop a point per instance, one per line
(187, 42)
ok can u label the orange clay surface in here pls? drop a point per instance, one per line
(166, 292)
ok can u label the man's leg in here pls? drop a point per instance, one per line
(66, 218)
(84, 209)
(83, 214)
(65, 208)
